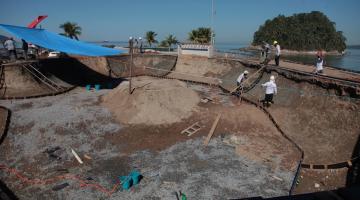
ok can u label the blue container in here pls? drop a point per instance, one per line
(97, 87)
(126, 182)
(136, 176)
(88, 87)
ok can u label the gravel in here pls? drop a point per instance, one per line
(77, 120)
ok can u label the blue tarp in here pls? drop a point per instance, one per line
(58, 42)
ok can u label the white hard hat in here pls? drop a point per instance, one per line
(140, 38)
(246, 72)
(272, 78)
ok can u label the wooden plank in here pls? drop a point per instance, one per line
(248, 79)
(211, 132)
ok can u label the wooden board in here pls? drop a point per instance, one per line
(248, 79)
(211, 132)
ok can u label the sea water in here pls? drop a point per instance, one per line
(350, 61)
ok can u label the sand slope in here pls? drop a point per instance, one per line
(153, 102)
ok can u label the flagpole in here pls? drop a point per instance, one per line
(212, 23)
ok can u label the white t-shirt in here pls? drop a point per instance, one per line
(9, 45)
(240, 78)
(319, 64)
(278, 51)
(270, 87)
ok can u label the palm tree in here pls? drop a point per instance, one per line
(71, 30)
(201, 35)
(170, 40)
(150, 37)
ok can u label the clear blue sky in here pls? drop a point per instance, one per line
(116, 20)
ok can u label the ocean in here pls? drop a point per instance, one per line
(349, 61)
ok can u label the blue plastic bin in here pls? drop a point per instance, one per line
(136, 176)
(97, 87)
(126, 182)
(88, 87)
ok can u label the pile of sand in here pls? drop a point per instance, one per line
(153, 102)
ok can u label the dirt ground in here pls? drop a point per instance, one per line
(3, 117)
(324, 125)
(260, 163)
(320, 180)
(246, 157)
(314, 117)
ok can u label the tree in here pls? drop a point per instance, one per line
(71, 30)
(303, 31)
(169, 40)
(150, 37)
(201, 35)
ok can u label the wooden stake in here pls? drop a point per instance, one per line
(76, 156)
(207, 140)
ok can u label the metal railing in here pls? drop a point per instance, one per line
(32, 70)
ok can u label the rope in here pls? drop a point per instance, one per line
(82, 183)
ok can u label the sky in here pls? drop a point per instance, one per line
(235, 21)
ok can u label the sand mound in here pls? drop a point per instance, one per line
(153, 102)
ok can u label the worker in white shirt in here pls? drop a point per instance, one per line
(10, 46)
(239, 80)
(271, 89)
(319, 63)
(241, 77)
(277, 53)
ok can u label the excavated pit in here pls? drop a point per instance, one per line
(246, 146)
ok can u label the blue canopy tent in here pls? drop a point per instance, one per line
(49, 40)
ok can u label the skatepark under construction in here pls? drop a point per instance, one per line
(178, 125)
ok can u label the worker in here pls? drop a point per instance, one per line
(265, 53)
(10, 46)
(319, 65)
(141, 45)
(239, 80)
(271, 89)
(277, 53)
(242, 77)
(25, 48)
(319, 62)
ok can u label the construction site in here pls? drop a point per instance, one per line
(72, 126)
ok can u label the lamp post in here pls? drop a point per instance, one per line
(131, 51)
